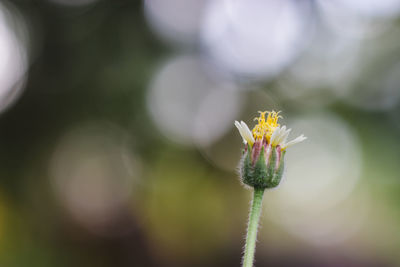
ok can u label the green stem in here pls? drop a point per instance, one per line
(252, 228)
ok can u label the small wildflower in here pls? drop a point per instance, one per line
(262, 167)
(263, 158)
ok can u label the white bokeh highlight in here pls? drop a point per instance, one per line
(320, 176)
(188, 105)
(177, 21)
(13, 55)
(345, 21)
(371, 8)
(327, 71)
(254, 38)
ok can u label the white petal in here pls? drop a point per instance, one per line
(299, 139)
(245, 132)
(285, 136)
(281, 135)
(239, 127)
(274, 135)
(248, 135)
(278, 137)
(237, 124)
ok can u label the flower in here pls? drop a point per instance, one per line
(263, 158)
(268, 129)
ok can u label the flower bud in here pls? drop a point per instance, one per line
(262, 165)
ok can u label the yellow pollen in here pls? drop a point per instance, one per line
(266, 127)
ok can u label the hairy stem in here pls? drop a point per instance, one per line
(252, 228)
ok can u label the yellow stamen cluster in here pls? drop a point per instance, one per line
(266, 127)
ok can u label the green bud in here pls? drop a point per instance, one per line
(262, 166)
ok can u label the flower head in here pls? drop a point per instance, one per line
(262, 163)
(269, 130)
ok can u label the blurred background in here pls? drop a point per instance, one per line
(117, 143)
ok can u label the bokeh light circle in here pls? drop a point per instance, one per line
(321, 174)
(13, 55)
(93, 173)
(190, 106)
(177, 21)
(345, 21)
(368, 8)
(313, 78)
(255, 38)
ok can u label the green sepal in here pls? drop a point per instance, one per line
(277, 176)
(246, 169)
(260, 175)
(271, 163)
